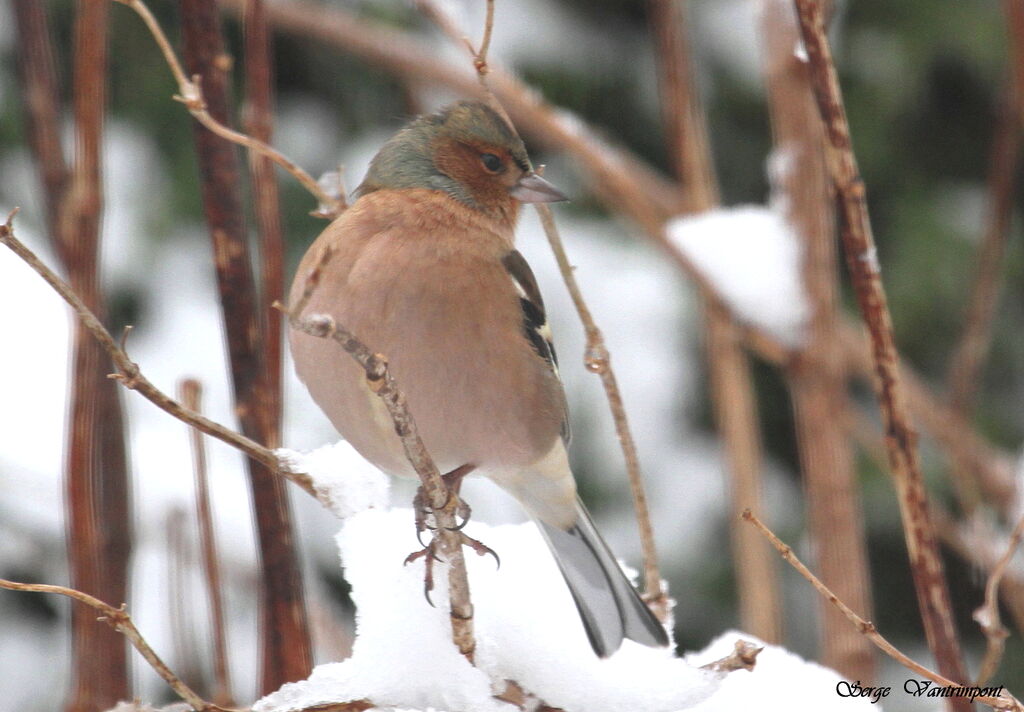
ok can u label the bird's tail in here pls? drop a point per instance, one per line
(609, 606)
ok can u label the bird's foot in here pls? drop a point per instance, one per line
(425, 513)
(429, 555)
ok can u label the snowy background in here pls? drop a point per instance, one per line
(156, 267)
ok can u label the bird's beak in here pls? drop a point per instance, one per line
(531, 188)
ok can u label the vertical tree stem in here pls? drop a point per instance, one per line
(99, 520)
(285, 644)
(259, 92)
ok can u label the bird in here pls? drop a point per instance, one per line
(424, 270)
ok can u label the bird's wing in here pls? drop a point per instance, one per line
(535, 322)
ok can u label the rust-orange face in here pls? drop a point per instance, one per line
(466, 150)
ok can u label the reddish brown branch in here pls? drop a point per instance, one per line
(286, 652)
(901, 439)
(96, 470)
(259, 124)
(42, 106)
(816, 376)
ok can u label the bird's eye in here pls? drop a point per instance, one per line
(491, 162)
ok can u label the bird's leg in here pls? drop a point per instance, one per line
(453, 480)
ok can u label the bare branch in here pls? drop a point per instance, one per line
(733, 399)
(132, 378)
(119, 620)
(443, 504)
(190, 392)
(817, 377)
(1003, 701)
(191, 95)
(258, 120)
(987, 615)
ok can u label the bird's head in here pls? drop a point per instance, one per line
(467, 151)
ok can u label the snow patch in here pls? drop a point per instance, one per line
(752, 257)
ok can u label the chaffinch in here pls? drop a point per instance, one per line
(424, 271)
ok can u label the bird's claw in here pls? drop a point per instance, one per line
(426, 553)
(480, 548)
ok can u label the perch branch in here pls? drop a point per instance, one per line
(119, 620)
(130, 376)
(1003, 701)
(191, 95)
(862, 261)
(381, 382)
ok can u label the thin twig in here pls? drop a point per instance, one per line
(598, 360)
(380, 381)
(190, 391)
(191, 95)
(119, 620)
(286, 649)
(131, 377)
(596, 357)
(862, 261)
(1002, 701)
(743, 657)
(987, 616)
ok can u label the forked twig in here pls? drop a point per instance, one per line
(987, 615)
(1001, 701)
(191, 95)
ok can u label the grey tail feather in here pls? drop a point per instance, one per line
(609, 606)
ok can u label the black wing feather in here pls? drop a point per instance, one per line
(535, 322)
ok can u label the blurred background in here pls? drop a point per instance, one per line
(923, 84)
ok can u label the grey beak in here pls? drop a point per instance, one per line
(531, 188)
